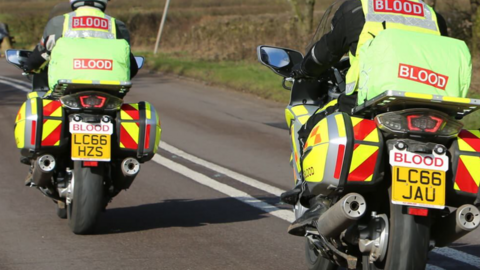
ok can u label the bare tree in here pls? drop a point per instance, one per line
(304, 11)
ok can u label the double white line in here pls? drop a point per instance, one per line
(202, 179)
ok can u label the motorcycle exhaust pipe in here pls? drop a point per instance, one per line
(129, 167)
(341, 215)
(43, 170)
(456, 225)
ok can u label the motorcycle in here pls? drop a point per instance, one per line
(394, 177)
(82, 143)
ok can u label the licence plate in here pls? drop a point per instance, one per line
(91, 142)
(91, 147)
(418, 179)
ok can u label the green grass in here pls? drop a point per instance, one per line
(242, 76)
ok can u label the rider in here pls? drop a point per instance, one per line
(354, 23)
(82, 13)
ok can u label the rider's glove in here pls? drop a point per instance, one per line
(299, 73)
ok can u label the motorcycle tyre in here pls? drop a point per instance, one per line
(316, 262)
(88, 199)
(410, 236)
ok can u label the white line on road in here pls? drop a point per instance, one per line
(225, 189)
(19, 87)
(26, 84)
(239, 177)
(433, 267)
(246, 198)
(459, 256)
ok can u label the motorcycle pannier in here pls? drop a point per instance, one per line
(39, 127)
(465, 153)
(414, 62)
(138, 131)
(343, 153)
(88, 61)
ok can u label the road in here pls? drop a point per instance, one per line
(209, 200)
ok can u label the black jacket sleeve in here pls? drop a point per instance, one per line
(122, 33)
(347, 25)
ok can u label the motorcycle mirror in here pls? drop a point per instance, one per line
(280, 60)
(140, 61)
(17, 57)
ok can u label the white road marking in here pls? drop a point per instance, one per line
(459, 256)
(246, 198)
(24, 83)
(433, 267)
(225, 189)
(239, 177)
(19, 87)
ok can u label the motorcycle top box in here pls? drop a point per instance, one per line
(40, 127)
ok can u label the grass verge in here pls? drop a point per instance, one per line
(242, 76)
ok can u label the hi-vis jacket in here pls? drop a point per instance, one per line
(85, 22)
(410, 15)
(358, 21)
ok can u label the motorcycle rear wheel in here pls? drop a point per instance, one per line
(315, 261)
(88, 198)
(409, 239)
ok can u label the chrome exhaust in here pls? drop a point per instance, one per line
(130, 167)
(43, 170)
(124, 176)
(341, 215)
(456, 225)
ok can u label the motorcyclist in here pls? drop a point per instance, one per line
(57, 28)
(87, 21)
(354, 23)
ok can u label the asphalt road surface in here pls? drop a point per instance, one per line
(209, 200)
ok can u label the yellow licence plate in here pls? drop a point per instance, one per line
(418, 187)
(91, 147)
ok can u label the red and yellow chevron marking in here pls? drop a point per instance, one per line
(129, 133)
(21, 113)
(469, 141)
(318, 135)
(52, 131)
(365, 130)
(129, 112)
(52, 108)
(363, 163)
(467, 178)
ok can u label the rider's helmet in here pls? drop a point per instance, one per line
(101, 4)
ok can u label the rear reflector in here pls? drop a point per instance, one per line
(423, 212)
(90, 164)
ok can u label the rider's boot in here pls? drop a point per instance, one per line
(308, 219)
(291, 196)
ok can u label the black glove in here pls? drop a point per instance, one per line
(299, 73)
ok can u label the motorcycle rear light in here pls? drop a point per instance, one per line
(419, 121)
(424, 123)
(423, 212)
(92, 101)
(90, 164)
